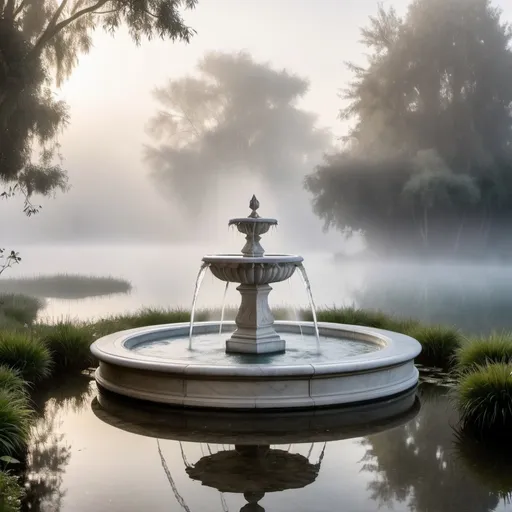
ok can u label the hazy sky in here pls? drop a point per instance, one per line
(109, 95)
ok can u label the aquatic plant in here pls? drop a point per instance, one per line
(16, 308)
(439, 344)
(11, 492)
(484, 399)
(15, 418)
(66, 286)
(10, 380)
(69, 344)
(28, 356)
(497, 348)
(352, 316)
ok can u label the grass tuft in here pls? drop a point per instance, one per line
(18, 309)
(15, 419)
(352, 316)
(484, 399)
(26, 355)
(69, 345)
(11, 381)
(66, 286)
(439, 344)
(496, 348)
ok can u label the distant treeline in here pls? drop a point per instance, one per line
(427, 166)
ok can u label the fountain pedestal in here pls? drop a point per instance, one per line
(255, 333)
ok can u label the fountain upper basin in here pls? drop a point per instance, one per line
(371, 375)
(236, 268)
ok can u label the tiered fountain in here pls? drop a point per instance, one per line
(264, 364)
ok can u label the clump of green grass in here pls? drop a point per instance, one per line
(496, 348)
(484, 399)
(143, 318)
(69, 345)
(26, 355)
(439, 344)
(15, 419)
(352, 316)
(11, 381)
(19, 309)
(66, 286)
(11, 493)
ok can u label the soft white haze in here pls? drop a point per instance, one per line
(109, 95)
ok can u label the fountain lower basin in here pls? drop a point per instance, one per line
(384, 368)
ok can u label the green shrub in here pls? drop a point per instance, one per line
(496, 348)
(29, 356)
(15, 417)
(11, 493)
(18, 308)
(439, 344)
(484, 399)
(10, 380)
(69, 344)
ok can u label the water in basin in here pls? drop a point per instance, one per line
(210, 349)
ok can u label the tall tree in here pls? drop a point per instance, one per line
(40, 42)
(427, 165)
(237, 115)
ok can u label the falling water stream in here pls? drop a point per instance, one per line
(307, 285)
(199, 280)
(295, 310)
(223, 307)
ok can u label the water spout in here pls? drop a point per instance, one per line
(307, 285)
(296, 311)
(199, 280)
(223, 307)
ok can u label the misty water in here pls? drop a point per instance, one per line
(474, 297)
(82, 457)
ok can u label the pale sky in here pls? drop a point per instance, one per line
(109, 95)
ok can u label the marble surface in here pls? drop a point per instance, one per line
(371, 376)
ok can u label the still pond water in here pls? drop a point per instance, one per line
(476, 298)
(89, 453)
(98, 454)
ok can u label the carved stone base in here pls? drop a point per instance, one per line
(255, 333)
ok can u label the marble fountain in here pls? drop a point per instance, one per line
(264, 364)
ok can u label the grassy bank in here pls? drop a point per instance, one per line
(64, 286)
(31, 355)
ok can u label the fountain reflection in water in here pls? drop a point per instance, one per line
(199, 280)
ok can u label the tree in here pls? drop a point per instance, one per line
(237, 115)
(428, 161)
(43, 38)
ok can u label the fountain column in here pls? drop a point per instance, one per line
(255, 333)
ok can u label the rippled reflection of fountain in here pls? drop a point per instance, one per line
(252, 465)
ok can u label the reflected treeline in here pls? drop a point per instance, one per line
(48, 452)
(418, 465)
(475, 299)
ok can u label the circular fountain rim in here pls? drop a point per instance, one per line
(240, 258)
(396, 349)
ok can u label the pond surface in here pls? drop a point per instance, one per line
(79, 462)
(476, 298)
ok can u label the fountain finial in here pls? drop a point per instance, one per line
(254, 204)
